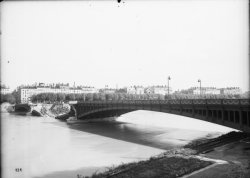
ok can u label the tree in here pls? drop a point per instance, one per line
(34, 99)
(96, 97)
(42, 97)
(8, 98)
(102, 96)
(70, 97)
(60, 97)
(15, 95)
(89, 97)
(78, 97)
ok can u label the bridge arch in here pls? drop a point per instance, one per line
(117, 111)
(234, 114)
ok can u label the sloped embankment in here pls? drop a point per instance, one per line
(52, 110)
(57, 110)
(172, 163)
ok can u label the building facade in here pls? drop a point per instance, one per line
(135, 90)
(205, 91)
(5, 90)
(108, 90)
(162, 90)
(26, 92)
(231, 91)
(159, 89)
(212, 91)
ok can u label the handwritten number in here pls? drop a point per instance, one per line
(18, 169)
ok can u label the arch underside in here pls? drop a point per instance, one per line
(207, 116)
(104, 113)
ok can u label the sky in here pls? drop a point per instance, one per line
(98, 43)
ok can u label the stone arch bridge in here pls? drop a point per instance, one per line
(234, 113)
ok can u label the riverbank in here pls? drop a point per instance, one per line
(172, 163)
(6, 107)
(50, 110)
(105, 143)
(59, 109)
(188, 162)
(237, 157)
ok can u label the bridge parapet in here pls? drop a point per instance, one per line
(200, 101)
(245, 101)
(175, 101)
(214, 101)
(186, 101)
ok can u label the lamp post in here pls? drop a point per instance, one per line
(199, 81)
(74, 90)
(168, 85)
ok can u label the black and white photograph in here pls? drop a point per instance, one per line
(125, 89)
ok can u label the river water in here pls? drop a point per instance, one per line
(45, 147)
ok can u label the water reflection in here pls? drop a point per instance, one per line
(50, 148)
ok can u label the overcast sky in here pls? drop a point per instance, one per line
(137, 42)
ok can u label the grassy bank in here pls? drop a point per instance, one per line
(205, 145)
(172, 163)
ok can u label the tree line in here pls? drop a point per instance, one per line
(59, 97)
(11, 98)
(62, 97)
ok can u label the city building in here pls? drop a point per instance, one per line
(149, 90)
(88, 89)
(162, 90)
(231, 91)
(108, 90)
(135, 90)
(205, 91)
(5, 90)
(159, 89)
(26, 92)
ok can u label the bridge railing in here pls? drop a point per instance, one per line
(176, 102)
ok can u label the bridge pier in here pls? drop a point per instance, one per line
(222, 116)
(193, 114)
(231, 116)
(73, 111)
(206, 113)
(214, 115)
(241, 120)
(244, 118)
(236, 117)
(248, 119)
(226, 115)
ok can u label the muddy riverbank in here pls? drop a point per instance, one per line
(188, 162)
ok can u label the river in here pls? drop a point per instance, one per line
(45, 147)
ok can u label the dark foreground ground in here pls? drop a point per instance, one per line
(227, 156)
(237, 157)
(173, 163)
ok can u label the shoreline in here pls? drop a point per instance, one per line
(176, 154)
(211, 163)
(174, 162)
(204, 163)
